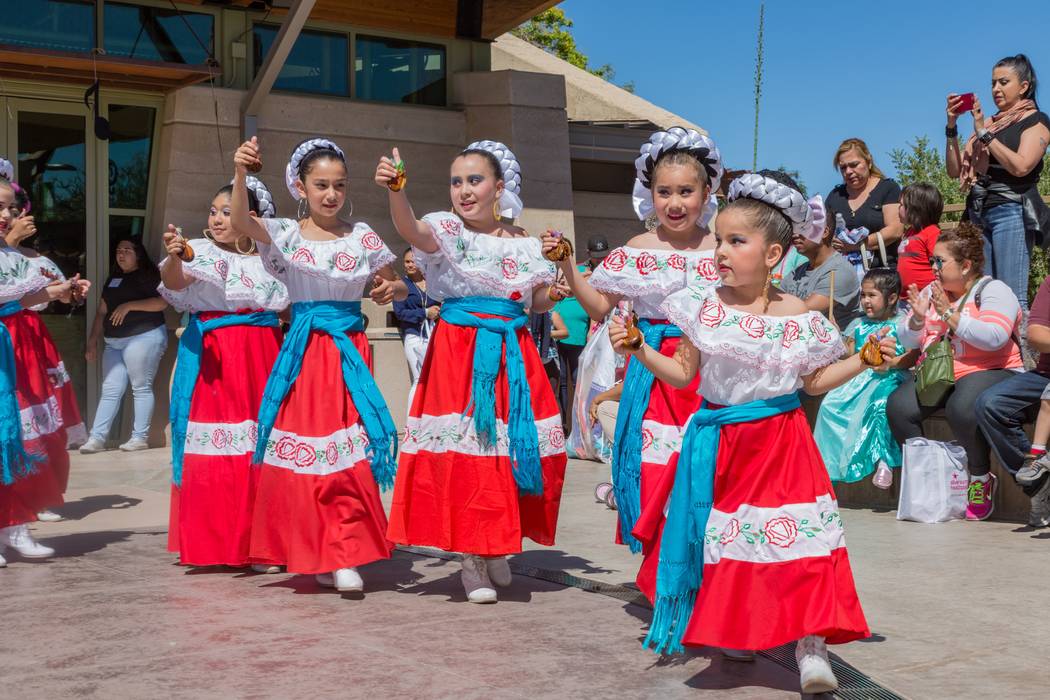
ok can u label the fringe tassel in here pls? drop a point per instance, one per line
(17, 463)
(483, 396)
(670, 616)
(384, 462)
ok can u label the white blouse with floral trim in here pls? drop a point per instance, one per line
(468, 263)
(46, 267)
(337, 270)
(745, 356)
(18, 276)
(224, 281)
(648, 277)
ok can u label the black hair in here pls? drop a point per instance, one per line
(886, 280)
(307, 163)
(923, 205)
(21, 198)
(682, 157)
(775, 224)
(145, 262)
(492, 160)
(253, 201)
(1021, 67)
(406, 251)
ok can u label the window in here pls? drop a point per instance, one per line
(158, 34)
(62, 25)
(130, 144)
(319, 62)
(394, 70)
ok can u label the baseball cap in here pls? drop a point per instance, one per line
(597, 246)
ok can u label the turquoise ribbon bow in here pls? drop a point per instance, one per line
(16, 462)
(188, 368)
(681, 566)
(493, 335)
(334, 318)
(627, 444)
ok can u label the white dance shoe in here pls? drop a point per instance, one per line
(17, 537)
(814, 668)
(476, 580)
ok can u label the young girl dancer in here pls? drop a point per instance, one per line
(753, 533)
(484, 455)
(225, 356)
(32, 435)
(851, 431)
(676, 173)
(322, 421)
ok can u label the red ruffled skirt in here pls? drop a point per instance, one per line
(76, 432)
(43, 433)
(317, 507)
(455, 494)
(211, 514)
(775, 562)
(669, 409)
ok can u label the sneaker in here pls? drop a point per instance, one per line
(266, 568)
(499, 571)
(17, 537)
(134, 445)
(348, 580)
(883, 478)
(981, 498)
(1033, 469)
(476, 582)
(92, 446)
(48, 516)
(814, 669)
(1039, 516)
(744, 655)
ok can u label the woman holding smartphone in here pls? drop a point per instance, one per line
(999, 168)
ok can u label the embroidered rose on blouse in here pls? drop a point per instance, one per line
(222, 268)
(730, 532)
(247, 281)
(676, 262)
(451, 227)
(557, 438)
(515, 296)
(344, 261)
(820, 330)
(303, 255)
(712, 313)
(285, 448)
(510, 268)
(647, 438)
(615, 260)
(305, 455)
(646, 263)
(792, 331)
(781, 531)
(753, 325)
(372, 241)
(331, 453)
(219, 438)
(707, 269)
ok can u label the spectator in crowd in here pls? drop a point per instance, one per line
(1000, 167)
(982, 317)
(865, 198)
(571, 324)
(415, 315)
(920, 212)
(542, 329)
(812, 280)
(597, 249)
(1003, 410)
(130, 321)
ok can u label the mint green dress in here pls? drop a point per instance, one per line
(852, 432)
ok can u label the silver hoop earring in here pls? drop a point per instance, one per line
(304, 209)
(351, 212)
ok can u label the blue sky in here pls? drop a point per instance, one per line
(877, 70)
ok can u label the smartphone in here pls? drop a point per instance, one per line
(965, 102)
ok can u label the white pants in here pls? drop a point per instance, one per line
(415, 351)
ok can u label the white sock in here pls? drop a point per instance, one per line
(983, 478)
(1039, 448)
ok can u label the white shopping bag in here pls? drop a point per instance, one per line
(596, 373)
(934, 481)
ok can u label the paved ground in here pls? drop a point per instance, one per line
(954, 610)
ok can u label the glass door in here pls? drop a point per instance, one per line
(55, 160)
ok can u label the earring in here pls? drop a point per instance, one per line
(765, 290)
(251, 246)
(495, 212)
(207, 234)
(351, 212)
(303, 209)
(651, 222)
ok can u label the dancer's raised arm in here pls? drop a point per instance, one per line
(596, 304)
(390, 173)
(241, 219)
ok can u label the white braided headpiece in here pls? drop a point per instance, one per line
(820, 219)
(510, 204)
(676, 138)
(787, 199)
(7, 170)
(291, 171)
(266, 208)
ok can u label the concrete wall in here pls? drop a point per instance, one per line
(607, 214)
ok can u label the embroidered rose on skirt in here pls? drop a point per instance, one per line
(781, 531)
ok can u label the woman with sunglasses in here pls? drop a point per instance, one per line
(982, 318)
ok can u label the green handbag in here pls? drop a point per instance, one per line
(935, 375)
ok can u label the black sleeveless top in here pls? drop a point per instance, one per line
(1011, 138)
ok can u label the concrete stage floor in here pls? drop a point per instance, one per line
(957, 610)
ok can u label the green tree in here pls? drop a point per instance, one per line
(549, 30)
